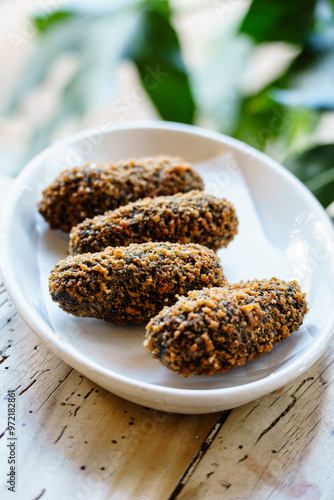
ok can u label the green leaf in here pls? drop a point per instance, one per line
(310, 79)
(155, 50)
(313, 88)
(261, 120)
(299, 125)
(64, 31)
(303, 90)
(160, 6)
(217, 83)
(43, 21)
(315, 168)
(58, 40)
(93, 82)
(279, 20)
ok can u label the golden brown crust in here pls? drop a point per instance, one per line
(93, 189)
(213, 330)
(132, 283)
(194, 217)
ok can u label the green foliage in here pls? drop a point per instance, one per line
(315, 168)
(287, 110)
(155, 50)
(280, 117)
(261, 120)
(100, 35)
(217, 83)
(44, 22)
(272, 20)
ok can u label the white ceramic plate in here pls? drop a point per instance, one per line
(283, 232)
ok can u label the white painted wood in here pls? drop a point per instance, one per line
(76, 441)
(280, 446)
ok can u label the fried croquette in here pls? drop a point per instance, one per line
(132, 283)
(92, 189)
(213, 330)
(194, 217)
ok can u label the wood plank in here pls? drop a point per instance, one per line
(76, 440)
(277, 447)
(89, 442)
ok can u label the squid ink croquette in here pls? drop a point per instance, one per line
(194, 217)
(132, 283)
(213, 330)
(92, 189)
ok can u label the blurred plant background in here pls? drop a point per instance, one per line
(261, 71)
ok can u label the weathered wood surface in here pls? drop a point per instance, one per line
(77, 441)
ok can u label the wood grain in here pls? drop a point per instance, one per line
(279, 446)
(78, 441)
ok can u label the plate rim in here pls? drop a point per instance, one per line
(181, 397)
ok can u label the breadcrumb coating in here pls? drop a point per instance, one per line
(213, 330)
(132, 283)
(92, 189)
(194, 217)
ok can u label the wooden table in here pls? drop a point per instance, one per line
(77, 441)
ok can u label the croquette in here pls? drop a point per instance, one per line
(213, 330)
(194, 217)
(92, 189)
(133, 283)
